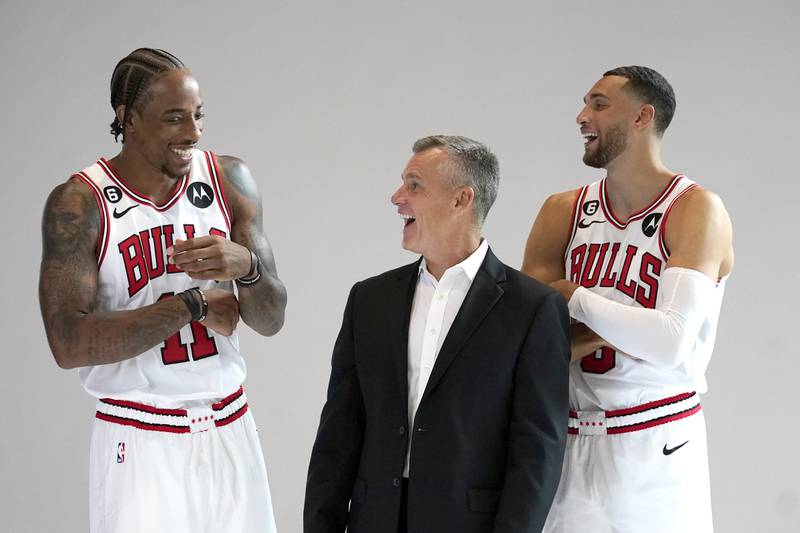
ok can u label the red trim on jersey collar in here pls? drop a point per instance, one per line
(609, 213)
(180, 188)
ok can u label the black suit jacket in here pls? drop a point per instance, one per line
(489, 433)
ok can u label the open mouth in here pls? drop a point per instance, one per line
(588, 138)
(183, 153)
(407, 220)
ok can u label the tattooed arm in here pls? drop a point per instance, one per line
(261, 304)
(79, 335)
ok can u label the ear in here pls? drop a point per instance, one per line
(465, 197)
(646, 117)
(120, 112)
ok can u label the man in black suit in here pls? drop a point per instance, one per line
(447, 404)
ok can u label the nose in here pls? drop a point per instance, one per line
(194, 129)
(397, 197)
(581, 119)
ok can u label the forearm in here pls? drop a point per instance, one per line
(95, 338)
(662, 335)
(262, 305)
(584, 341)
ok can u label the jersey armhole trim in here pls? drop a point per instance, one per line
(662, 230)
(213, 172)
(103, 234)
(573, 219)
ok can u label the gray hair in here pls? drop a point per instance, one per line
(472, 164)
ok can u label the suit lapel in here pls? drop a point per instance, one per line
(400, 311)
(481, 298)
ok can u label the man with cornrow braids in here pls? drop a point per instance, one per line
(140, 258)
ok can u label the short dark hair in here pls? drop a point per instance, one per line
(652, 88)
(472, 161)
(131, 77)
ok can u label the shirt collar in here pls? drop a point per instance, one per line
(469, 266)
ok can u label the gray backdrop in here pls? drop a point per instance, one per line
(323, 101)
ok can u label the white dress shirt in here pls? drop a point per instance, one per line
(435, 306)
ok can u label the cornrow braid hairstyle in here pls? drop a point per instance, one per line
(131, 77)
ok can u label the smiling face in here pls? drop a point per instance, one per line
(605, 120)
(428, 203)
(165, 129)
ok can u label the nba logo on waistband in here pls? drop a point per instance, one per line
(121, 452)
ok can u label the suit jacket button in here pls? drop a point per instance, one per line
(396, 482)
(401, 430)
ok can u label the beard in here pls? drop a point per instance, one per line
(609, 147)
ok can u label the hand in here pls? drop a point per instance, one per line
(210, 257)
(565, 287)
(223, 311)
(584, 341)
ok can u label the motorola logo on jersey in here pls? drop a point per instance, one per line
(112, 193)
(590, 207)
(650, 223)
(200, 195)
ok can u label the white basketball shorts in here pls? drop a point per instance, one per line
(643, 469)
(198, 469)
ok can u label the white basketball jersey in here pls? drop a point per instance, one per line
(195, 363)
(623, 261)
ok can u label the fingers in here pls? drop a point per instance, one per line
(206, 275)
(192, 256)
(210, 257)
(181, 246)
(202, 263)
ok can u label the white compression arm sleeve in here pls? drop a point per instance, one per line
(662, 335)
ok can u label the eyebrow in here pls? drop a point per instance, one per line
(182, 110)
(593, 95)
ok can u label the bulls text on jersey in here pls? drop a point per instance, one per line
(144, 254)
(595, 264)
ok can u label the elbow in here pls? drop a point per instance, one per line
(64, 359)
(279, 316)
(671, 354)
(274, 326)
(274, 320)
(64, 339)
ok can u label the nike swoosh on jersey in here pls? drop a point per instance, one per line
(669, 451)
(583, 225)
(122, 213)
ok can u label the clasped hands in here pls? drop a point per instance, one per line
(213, 258)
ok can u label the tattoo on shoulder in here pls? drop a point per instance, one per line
(239, 176)
(71, 221)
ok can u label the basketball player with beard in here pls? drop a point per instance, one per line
(642, 257)
(136, 289)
